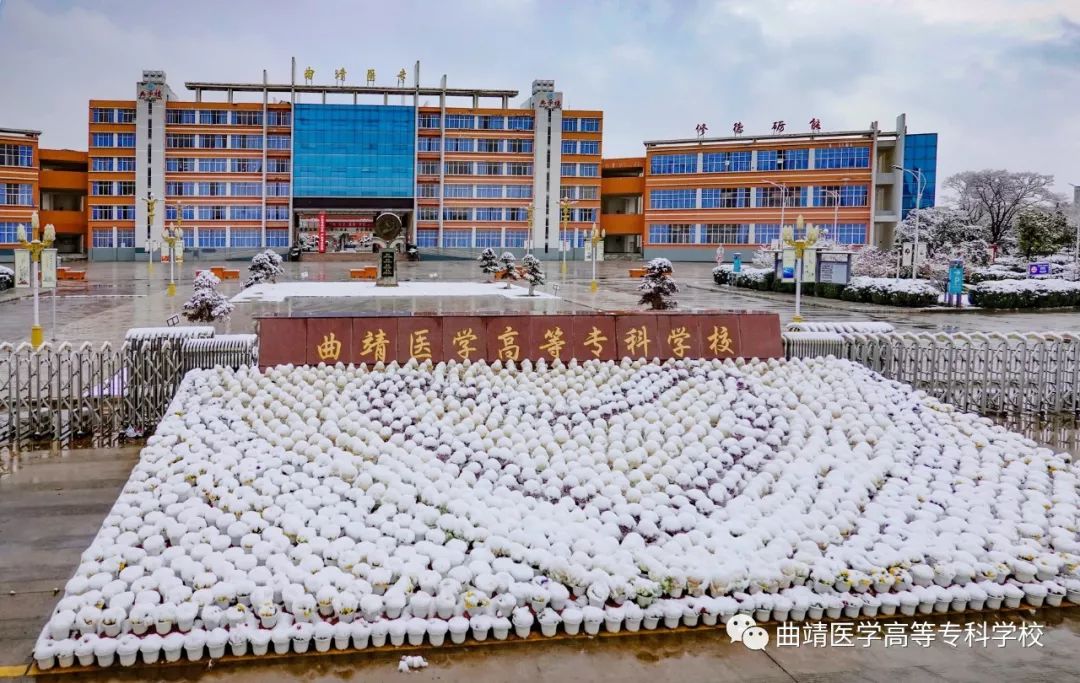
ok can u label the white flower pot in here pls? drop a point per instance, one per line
(908, 610)
(852, 611)
(106, 660)
(993, 602)
(323, 644)
(172, 654)
(1073, 596)
(46, 662)
(689, 619)
(281, 645)
(436, 638)
(480, 634)
(612, 625)
(592, 627)
(1054, 599)
(815, 612)
(66, 659)
(958, 605)
(780, 615)
(870, 610)
(550, 628)
(397, 639)
(941, 606)
(834, 612)
(1011, 602)
(1034, 600)
(216, 651)
(457, 637)
(572, 628)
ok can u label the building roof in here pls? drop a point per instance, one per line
(20, 131)
(779, 137)
(200, 86)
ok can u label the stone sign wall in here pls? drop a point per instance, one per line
(608, 336)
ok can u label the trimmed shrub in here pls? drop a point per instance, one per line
(1025, 294)
(890, 292)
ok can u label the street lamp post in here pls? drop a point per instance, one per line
(151, 209)
(919, 184)
(565, 206)
(171, 235)
(529, 216)
(809, 239)
(35, 246)
(594, 239)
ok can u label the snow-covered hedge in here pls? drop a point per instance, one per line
(750, 278)
(1029, 293)
(891, 292)
(993, 273)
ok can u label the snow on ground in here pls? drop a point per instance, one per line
(285, 290)
(332, 507)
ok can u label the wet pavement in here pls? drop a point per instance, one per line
(118, 296)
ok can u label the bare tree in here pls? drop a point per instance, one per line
(994, 197)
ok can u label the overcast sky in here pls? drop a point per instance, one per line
(999, 80)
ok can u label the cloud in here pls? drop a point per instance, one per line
(996, 78)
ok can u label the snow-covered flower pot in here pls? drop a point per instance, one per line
(45, 654)
(890, 603)
(281, 638)
(194, 644)
(260, 641)
(239, 637)
(592, 617)
(396, 630)
(500, 627)
(1055, 593)
(459, 628)
(216, 641)
(523, 621)
(105, 651)
(549, 622)
(572, 618)
(323, 635)
(62, 624)
(479, 626)
(65, 652)
(84, 649)
(1034, 594)
(436, 631)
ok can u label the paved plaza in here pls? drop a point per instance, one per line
(118, 296)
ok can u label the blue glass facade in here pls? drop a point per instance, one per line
(342, 150)
(920, 152)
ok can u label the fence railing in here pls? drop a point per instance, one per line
(68, 394)
(988, 373)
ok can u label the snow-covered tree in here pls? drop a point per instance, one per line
(206, 304)
(994, 198)
(534, 275)
(489, 263)
(657, 288)
(265, 266)
(764, 257)
(1040, 232)
(873, 262)
(508, 269)
(938, 226)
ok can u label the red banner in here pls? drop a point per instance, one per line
(322, 233)
(375, 338)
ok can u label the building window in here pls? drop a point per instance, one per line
(576, 238)
(725, 162)
(849, 195)
(589, 192)
(458, 191)
(488, 238)
(460, 144)
(766, 233)
(568, 170)
(490, 122)
(212, 213)
(103, 164)
(125, 139)
(243, 189)
(429, 121)
(672, 199)
(488, 168)
(101, 188)
(213, 141)
(489, 146)
(277, 212)
(725, 198)
(488, 192)
(589, 170)
(590, 126)
(20, 155)
(427, 190)
(783, 159)
(180, 140)
(569, 125)
(725, 233)
(456, 214)
(277, 238)
(515, 238)
(247, 142)
(247, 118)
(101, 238)
(519, 191)
(486, 213)
(277, 141)
(245, 213)
(670, 164)
(178, 189)
(519, 146)
(188, 237)
(459, 121)
(671, 233)
(850, 233)
(842, 157)
(211, 165)
(180, 116)
(179, 165)
(589, 147)
(457, 239)
(170, 212)
(277, 189)
(427, 213)
(276, 117)
(428, 144)
(459, 168)
(250, 165)
(519, 123)
(518, 168)
(99, 213)
(213, 117)
(103, 116)
(125, 164)
(125, 212)
(569, 146)
(125, 238)
(277, 165)
(517, 213)
(244, 237)
(125, 116)
(568, 192)
(771, 197)
(211, 238)
(427, 238)
(125, 188)
(427, 168)
(101, 140)
(586, 215)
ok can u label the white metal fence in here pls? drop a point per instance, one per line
(988, 373)
(70, 394)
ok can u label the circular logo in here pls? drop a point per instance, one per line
(388, 227)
